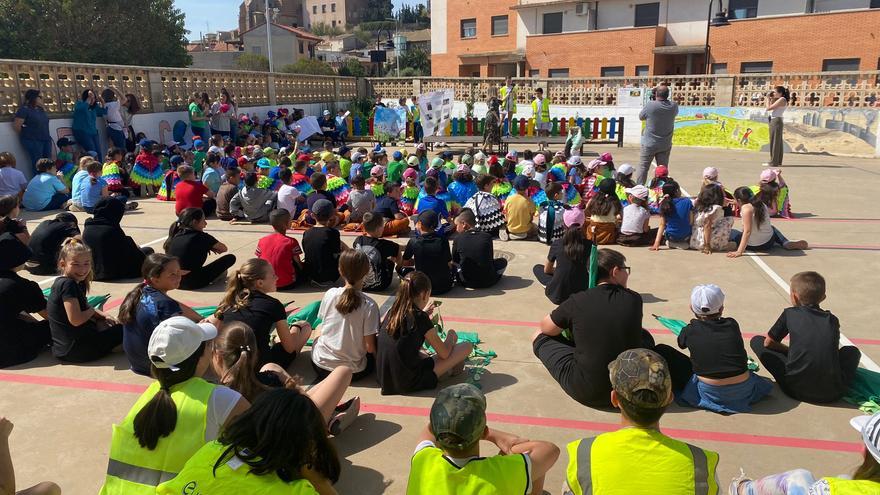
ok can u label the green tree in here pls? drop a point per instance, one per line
(130, 32)
(352, 68)
(378, 10)
(309, 66)
(416, 59)
(253, 61)
(323, 29)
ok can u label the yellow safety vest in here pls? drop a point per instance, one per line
(638, 460)
(512, 91)
(852, 487)
(134, 470)
(431, 473)
(545, 109)
(231, 478)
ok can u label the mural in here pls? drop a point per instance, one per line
(837, 131)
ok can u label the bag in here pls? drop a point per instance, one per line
(373, 280)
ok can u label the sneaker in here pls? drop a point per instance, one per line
(678, 244)
(344, 415)
(736, 482)
(131, 205)
(74, 207)
(504, 235)
(796, 245)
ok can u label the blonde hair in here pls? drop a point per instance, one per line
(85, 161)
(241, 283)
(70, 249)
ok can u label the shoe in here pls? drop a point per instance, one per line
(796, 245)
(504, 235)
(678, 244)
(69, 206)
(765, 164)
(734, 484)
(346, 414)
(131, 205)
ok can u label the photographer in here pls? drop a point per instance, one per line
(777, 102)
(659, 116)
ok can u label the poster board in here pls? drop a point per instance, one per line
(631, 97)
(307, 127)
(436, 111)
(386, 124)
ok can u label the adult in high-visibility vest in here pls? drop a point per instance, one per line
(279, 446)
(418, 132)
(541, 113)
(865, 480)
(178, 414)
(507, 94)
(638, 458)
(447, 460)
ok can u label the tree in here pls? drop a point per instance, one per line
(253, 61)
(378, 10)
(130, 32)
(416, 59)
(352, 67)
(309, 66)
(322, 29)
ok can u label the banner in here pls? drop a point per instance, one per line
(386, 124)
(306, 127)
(436, 111)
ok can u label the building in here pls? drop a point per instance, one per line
(251, 13)
(333, 13)
(418, 40)
(565, 38)
(215, 51)
(289, 44)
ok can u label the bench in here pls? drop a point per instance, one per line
(476, 141)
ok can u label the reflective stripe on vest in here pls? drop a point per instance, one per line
(432, 473)
(137, 474)
(545, 109)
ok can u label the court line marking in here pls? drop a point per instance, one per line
(51, 279)
(422, 412)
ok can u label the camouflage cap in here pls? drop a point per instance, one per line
(641, 369)
(458, 416)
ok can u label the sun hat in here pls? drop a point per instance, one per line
(641, 369)
(174, 340)
(458, 416)
(707, 299)
(710, 173)
(573, 216)
(574, 161)
(540, 159)
(626, 169)
(869, 427)
(595, 164)
(638, 191)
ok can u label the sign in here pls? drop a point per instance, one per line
(436, 111)
(386, 124)
(631, 97)
(306, 127)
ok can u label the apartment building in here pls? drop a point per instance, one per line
(567, 38)
(333, 13)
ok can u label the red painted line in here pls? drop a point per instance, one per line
(53, 381)
(829, 220)
(112, 304)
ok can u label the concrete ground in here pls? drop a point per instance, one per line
(63, 413)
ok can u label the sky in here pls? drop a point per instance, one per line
(222, 15)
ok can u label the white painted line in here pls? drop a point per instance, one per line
(154, 242)
(52, 279)
(866, 362)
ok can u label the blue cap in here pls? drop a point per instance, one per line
(228, 162)
(397, 155)
(145, 143)
(521, 182)
(264, 163)
(176, 160)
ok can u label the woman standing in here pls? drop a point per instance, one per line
(233, 121)
(85, 116)
(777, 102)
(32, 125)
(221, 116)
(197, 119)
(128, 109)
(115, 122)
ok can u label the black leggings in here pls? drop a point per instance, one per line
(94, 346)
(31, 337)
(371, 366)
(202, 277)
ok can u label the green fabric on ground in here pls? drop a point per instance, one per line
(478, 359)
(97, 302)
(864, 391)
(676, 326)
(308, 313)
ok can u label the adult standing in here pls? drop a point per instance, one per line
(115, 122)
(508, 103)
(32, 125)
(197, 118)
(541, 112)
(659, 116)
(418, 132)
(233, 122)
(128, 109)
(221, 116)
(777, 102)
(85, 117)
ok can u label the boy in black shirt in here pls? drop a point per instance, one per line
(383, 254)
(322, 247)
(46, 242)
(722, 381)
(429, 253)
(811, 368)
(473, 252)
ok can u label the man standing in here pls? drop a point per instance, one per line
(659, 116)
(418, 133)
(541, 111)
(508, 104)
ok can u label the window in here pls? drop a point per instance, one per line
(301, 47)
(258, 50)
(552, 23)
(534, 72)
(840, 64)
(499, 25)
(557, 73)
(875, 4)
(332, 7)
(612, 71)
(647, 14)
(468, 28)
(719, 68)
(742, 9)
(333, 23)
(314, 9)
(643, 71)
(756, 67)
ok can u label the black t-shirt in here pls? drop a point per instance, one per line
(381, 269)
(46, 242)
(813, 360)
(261, 314)
(475, 255)
(322, 247)
(387, 207)
(432, 257)
(569, 276)
(64, 334)
(310, 201)
(18, 294)
(400, 368)
(191, 247)
(716, 346)
(11, 226)
(604, 321)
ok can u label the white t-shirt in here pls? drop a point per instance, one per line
(220, 405)
(287, 196)
(12, 181)
(761, 234)
(114, 117)
(342, 336)
(778, 111)
(634, 217)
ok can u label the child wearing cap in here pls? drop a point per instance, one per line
(409, 191)
(251, 203)
(604, 210)
(396, 166)
(774, 192)
(519, 210)
(322, 246)
(722, 381)
(447, 460)
(551, 224)
(191, 193)
(711, 229)
(624, 180)
(655, 187)
(635, 226)
(812, 367)
(429, 253)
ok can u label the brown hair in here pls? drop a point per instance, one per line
(608, 260)
(318, 181)
(241, 283)
(809, 287)
(552, 189)
(7, 159)
(185, 171)
(7, 204)
(279, 219)
(353, 267)
(404, 308)
(373, 222)
(236, 345)
(73, 247)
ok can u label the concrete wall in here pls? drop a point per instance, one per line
(215, 60)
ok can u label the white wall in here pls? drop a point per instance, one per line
(438, 26)
(285, 45)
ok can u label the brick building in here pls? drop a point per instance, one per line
(333, 13)
(565, 38)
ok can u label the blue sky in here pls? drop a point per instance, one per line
(222, 15)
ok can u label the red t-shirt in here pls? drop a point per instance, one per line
(188, 194)
(279, 250)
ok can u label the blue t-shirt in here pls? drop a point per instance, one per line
(85, 117)
(35, 125)
(40, 190)
(76, 186)
(678, 224)
(211, 179)
(433, 203)
(90, 193)
(153, 308)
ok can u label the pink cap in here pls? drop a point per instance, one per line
(377, 171)
(410, 173)
(540, 159)
(710, 173)
(462, 168)
(606, 157)
(573, 216)
(595, 164)
(769, 175)
(510, 155)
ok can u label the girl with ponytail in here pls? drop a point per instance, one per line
(188, 242)
(401, 366)
(350, 322)
(757, 233)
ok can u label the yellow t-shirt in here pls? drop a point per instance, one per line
(519, 211)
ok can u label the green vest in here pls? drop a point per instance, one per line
(637, 460)
(503, 92)
(852, 487)
(431, 473)
(134, 470)
(231, 478)
(545, 109)
(345, 167)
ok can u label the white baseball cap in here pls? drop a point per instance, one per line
(574, 160)
(639, 191)
(869, 427)
(176, 339)
(626, 169)
(707, 299)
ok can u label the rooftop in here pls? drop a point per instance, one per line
(299, 32)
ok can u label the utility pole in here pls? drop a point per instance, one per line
(269, 36)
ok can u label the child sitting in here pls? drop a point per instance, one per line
(462, 187)
(382, 254)
(190, 193)
(711, 230)
(490, 216)
(773, 191)
(115, 255)
(45, 242)
(360, 201)
(322, 246)
(722, 381)
(23, 337)
(12, 180)
(409, 194)
(227, 191)
(676, 218)
(87, 186)
(758, 234)
(655, 187)
(635, 228)
(811, 368)
(402, 366)
(252, 204)
(518, 212)
(188, 242)
(474, 255)
(429, 253)
(45, 191)
(567, 269)
(388, 206)
(551, 225)
(604, 211)
(623, 176)
(447, 460)
(113, 172)
(350, 321)
(430, 201)
(281, 251)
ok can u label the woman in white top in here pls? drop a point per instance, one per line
(777, 102)
(115, 124)
(130, 106)
(222, 112)
(757, 233)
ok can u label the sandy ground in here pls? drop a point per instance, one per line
(63, 413)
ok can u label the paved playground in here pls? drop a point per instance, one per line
(63, 413)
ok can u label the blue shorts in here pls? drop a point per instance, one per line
(727, 399)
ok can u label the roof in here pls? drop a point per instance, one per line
(212, 46)
(532, 5)
(300, 33)
(680, 49)
(417, 36)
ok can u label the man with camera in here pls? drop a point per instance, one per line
(659, 116)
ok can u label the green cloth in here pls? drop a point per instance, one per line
(864, 391)
(395, 170)
(478, 359)
(308, 313)
(676, 326)
(96, 302)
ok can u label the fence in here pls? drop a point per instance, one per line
(161, 89)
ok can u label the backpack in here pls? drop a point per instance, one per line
(373, 280)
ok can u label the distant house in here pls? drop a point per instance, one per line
(215, 50)
(418, 40)
(289, 44)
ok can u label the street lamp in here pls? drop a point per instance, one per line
(378, 56)
(719, 20)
